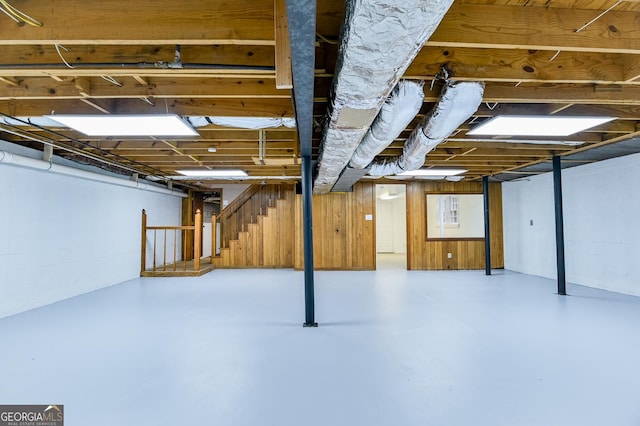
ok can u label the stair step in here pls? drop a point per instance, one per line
(258, 215)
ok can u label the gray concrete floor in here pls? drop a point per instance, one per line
(393, 348)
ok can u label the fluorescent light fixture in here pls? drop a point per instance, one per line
(212, 150)
(433, 172)
(213, 173)
(522, 125)
(126, 125)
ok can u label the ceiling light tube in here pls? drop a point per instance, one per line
(523, 125)
(433, 172)
(126, 124)
(213, 173)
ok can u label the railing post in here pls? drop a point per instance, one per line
(155, 239)
(214, 246)
(222, 234)
(143, 255)
(197, 240)
(175, 249)
(164, 260)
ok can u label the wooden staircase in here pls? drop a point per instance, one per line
(257, 229)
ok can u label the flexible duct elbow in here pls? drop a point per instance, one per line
(397, 112)
(458, 101)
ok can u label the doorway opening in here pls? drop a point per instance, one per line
(391, 226)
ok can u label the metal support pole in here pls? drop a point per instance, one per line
(301, 17)
(307, 225)
(557, 195)
(487, 227)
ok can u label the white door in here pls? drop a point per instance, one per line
(384, 227)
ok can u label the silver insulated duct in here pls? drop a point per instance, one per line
(458, 101)
(397, 112)
(379, 41)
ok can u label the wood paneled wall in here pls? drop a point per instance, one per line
(466, 254)
(342, 238)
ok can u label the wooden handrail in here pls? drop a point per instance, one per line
(185, 230)
(239, 201)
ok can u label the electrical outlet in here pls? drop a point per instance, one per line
(449, 255)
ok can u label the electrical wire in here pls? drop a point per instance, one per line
(58, 46)
(10, 15)
(16, 14)
(554, 56)
(111, 80)
(597, 17)
(326, 40)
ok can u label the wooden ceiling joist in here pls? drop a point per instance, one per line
(96, 87)
(207, 22)
(537, 28)
(247, 107)
(221, 58)
(525, 65)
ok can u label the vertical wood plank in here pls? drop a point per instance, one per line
(284, 78)
(343, 240)
(298, 253)
(495, 214)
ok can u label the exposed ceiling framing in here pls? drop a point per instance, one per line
(220, 58)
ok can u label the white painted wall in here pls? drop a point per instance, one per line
(231, 191)
(206, 239)
(602, 236)
(62, 236)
